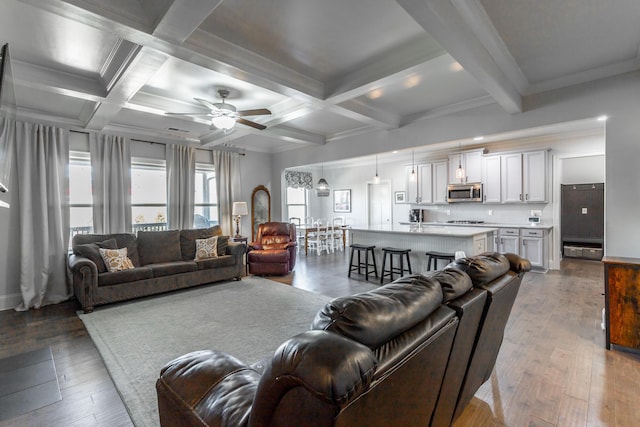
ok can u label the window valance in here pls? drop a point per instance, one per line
(296, 179)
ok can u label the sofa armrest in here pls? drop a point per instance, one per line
(206, 388)
(84, 276)
(518, 264)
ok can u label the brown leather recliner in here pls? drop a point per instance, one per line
(274, 250)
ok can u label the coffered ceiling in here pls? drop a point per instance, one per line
(327, 70)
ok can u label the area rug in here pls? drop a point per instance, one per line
(248, 319)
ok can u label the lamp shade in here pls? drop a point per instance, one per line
(239, 208)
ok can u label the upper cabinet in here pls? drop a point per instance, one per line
(515, 177)
(428, 184)
(491, 179)
(471, 162)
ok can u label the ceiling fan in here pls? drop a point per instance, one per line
(224, 116)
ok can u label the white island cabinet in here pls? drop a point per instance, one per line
(420, 239)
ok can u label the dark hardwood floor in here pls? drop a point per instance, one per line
(552, 369)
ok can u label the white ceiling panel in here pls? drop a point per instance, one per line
(35, 100)
(550, 39)
(52, 41)
(439, 82)
(317, 38)
(324, 123)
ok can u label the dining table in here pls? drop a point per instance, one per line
(306, 229)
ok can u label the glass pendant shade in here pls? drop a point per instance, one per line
(322, 188)
(224, 123)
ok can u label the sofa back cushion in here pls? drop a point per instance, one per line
(454, 283)
(92, 251)
(188, 241)
(372, 318)
(483, 268)
(159, 246)
(123, 240)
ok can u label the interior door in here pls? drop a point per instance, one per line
(379, 204)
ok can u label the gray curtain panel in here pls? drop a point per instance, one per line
(111, 183)
(227, 186)
(181, 175)
(42, 156)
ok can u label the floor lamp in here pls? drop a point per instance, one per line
(239, 209)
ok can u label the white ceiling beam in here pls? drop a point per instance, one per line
(444, 22)
(50, 80)
(389, 68)
(182, 18)
(478, 19)
(363, 113)
(448, 109)
(143, 65)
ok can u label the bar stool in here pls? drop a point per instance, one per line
(366, 264)
(400, 270)
(435, 256)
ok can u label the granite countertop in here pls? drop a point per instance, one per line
(429, 230)
(485, 224)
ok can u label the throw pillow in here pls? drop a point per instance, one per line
(92, 252)
(223, 243)
(206, 248)
(116, 259)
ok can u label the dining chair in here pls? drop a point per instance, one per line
(317, 241)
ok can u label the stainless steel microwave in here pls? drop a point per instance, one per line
(468, 192)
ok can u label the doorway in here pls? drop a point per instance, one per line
(379, 204)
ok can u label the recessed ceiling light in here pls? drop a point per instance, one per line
(602, 118)
(394, 152)
(478, 138)
(455, 67)
(375, 93)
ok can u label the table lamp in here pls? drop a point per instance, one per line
(239, 209)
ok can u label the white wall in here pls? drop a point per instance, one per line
(582, 170)
(617, 97)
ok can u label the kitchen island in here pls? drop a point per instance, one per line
(423, 238)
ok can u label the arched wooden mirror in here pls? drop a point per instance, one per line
(260, 209)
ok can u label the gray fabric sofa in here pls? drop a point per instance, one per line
(163, 261)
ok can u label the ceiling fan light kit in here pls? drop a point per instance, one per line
(224, 116)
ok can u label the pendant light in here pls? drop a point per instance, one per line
(322, 188)
(413, 167)
(460, 171)
(376, 179)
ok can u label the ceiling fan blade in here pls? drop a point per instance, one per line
(207, 104)
(190, 114)
(256, 112)
(252, 124)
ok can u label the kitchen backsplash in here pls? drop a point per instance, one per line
(501, 214)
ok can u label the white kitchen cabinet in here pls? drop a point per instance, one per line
(425, 190)
(511, 177)
(524, 177)
(491, 173)
(509, 240)
(534, 247)
(534, 176)
(471, 162)
(440, 173)
(429, 184)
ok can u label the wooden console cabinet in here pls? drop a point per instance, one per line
(622, 302)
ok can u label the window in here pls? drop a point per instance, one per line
(206, 198)
(148, 194)
(80, 195)
(297, 203)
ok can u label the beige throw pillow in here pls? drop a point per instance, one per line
(116, 259)
(207, 248)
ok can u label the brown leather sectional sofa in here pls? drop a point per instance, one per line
(410, 353)
(163, 261)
